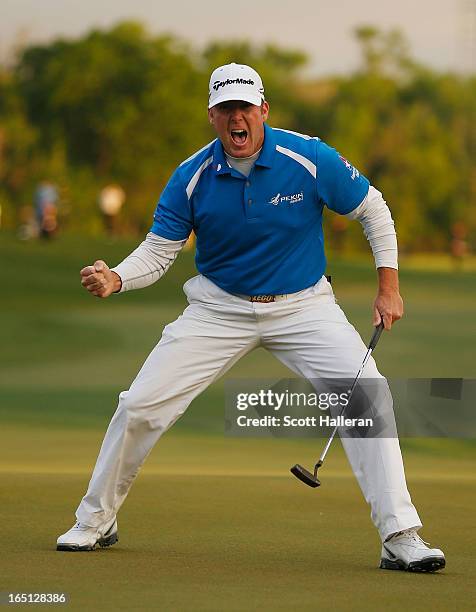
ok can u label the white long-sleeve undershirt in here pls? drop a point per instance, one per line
(149, 262)
(154, 256)
(379, 228)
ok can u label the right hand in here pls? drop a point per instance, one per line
(99, 280)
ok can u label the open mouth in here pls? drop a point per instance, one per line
(239, 136)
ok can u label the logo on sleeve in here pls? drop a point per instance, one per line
(295, 198)
(354, 172)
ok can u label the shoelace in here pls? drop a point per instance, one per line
(413, 535)
(80, 526)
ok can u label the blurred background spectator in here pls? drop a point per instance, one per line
(111, 200)
(46, 209)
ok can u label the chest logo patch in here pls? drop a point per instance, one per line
(295, 198)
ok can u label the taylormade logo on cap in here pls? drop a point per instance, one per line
(218, 84)
(235, 82)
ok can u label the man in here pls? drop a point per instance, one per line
(46, 209)
(254, 198)
(111, 200)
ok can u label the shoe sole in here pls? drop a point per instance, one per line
(428, 565)
(102, 543)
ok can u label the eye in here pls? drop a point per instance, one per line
(225, 106)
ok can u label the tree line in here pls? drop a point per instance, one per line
(124, 106)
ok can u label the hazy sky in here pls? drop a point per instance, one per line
(438, 30)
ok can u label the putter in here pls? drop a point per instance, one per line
(310, 478)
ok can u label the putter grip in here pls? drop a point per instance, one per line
(376, 335)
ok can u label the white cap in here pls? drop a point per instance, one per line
(235, 82)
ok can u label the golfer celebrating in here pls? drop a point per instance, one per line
(254, 198)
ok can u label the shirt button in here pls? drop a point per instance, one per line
(248, 183)
(250, 201)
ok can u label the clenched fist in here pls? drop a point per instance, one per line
(99, 280)
(388, 307)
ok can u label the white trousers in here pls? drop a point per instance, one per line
(307, 331)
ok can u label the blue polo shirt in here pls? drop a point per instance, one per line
(260, 234)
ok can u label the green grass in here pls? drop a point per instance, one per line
(211, 543)
(212, 523)
(45, 313)
(215, 524)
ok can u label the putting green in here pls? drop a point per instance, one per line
(214, 524)
(211, 523)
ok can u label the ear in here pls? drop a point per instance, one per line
(265, 110)
(210, 115)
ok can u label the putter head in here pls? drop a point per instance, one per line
(305, 476)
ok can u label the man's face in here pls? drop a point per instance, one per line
(240, 126)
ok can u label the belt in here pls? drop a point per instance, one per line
(263, 299)
(266, 299)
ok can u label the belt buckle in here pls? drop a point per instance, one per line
(264, 299)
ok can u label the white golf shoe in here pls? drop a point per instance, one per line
(82, 537)
(408, 552)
